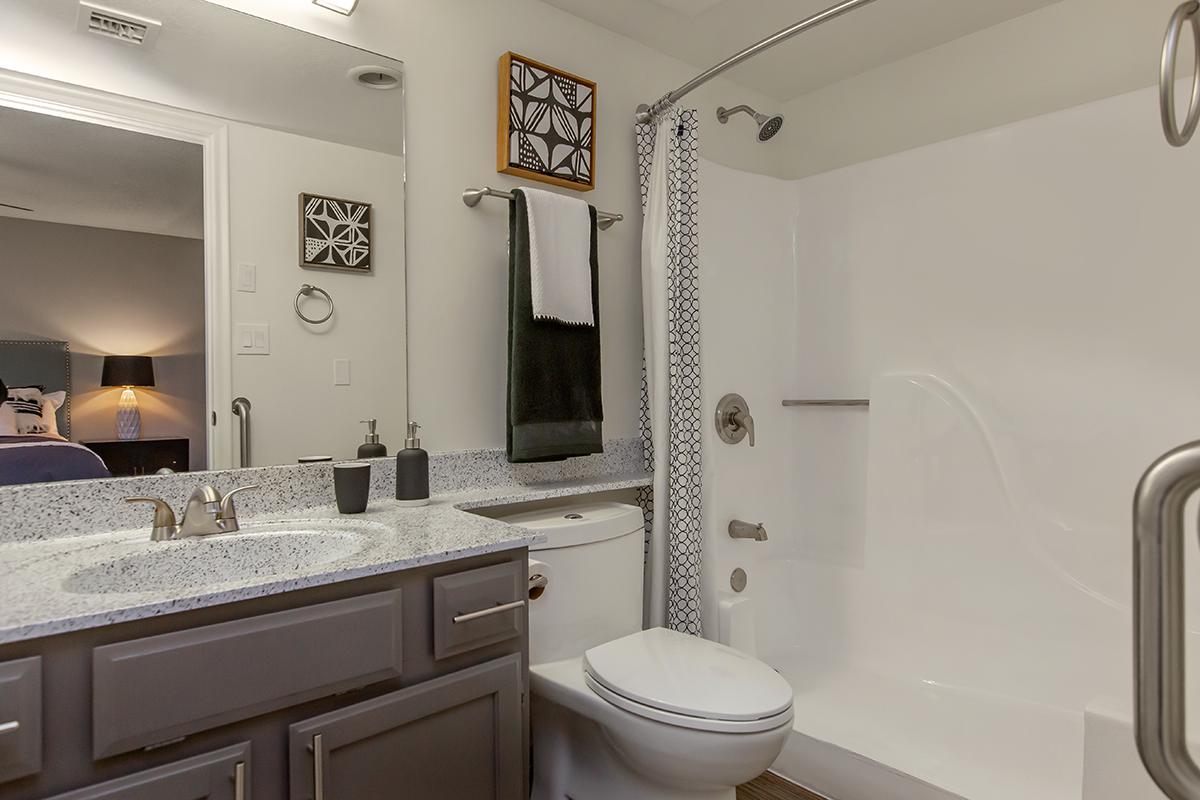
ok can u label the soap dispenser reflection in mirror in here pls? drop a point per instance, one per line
(372, 447)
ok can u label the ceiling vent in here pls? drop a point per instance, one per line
(120, 26)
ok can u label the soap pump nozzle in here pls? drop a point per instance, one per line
(412, 441)
(372, 436)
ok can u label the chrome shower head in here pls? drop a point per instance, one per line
(767, 126)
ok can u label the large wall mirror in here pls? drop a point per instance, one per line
(186, 194)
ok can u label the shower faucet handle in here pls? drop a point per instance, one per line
(733, 420)
(746, 423)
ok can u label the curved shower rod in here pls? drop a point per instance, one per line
(646, 113)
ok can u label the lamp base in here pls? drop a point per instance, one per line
(129, 419)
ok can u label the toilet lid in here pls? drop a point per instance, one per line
(682, 674)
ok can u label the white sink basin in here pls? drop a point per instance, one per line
(257, 551)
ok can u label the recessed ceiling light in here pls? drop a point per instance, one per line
(340, 6)
(376, 77)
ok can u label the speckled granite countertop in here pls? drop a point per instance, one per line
(49, 586)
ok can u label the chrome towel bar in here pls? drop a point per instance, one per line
(851, 402)
(471, 198)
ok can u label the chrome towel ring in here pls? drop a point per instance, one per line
(306, 290)
(1177, 136)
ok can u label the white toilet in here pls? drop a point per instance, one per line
(619, 713)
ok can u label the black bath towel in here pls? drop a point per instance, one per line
(554, 407)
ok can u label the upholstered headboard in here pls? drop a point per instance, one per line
(33, 362)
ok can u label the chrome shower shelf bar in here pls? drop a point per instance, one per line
(849, 402)
(471, 198)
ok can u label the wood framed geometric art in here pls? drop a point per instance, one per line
(335, 233)
(546, 125)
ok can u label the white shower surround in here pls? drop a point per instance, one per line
(947, 582)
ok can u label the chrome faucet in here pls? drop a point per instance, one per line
(206, 513)
(747, 530)
(733, 419)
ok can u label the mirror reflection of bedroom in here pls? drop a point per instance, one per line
(102, 322)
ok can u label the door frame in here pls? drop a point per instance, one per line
(45, 96)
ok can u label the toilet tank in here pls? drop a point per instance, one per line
(593, 561)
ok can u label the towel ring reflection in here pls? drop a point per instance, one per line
(306, 290)
(1186, 13)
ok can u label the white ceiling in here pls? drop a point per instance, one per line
(216, 61)
(706, 32)
(82, 174)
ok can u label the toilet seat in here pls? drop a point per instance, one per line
(688, 682)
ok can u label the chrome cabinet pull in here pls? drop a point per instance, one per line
(10, 727)
(1158, 621)
(318, 768)
(486, 612)
(239, 781)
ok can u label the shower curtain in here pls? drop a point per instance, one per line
(671, 404)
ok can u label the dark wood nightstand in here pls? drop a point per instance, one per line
(141, 456)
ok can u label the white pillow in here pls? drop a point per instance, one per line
(14, 424)
(51, 403)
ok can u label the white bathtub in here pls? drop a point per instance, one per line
(863, 735)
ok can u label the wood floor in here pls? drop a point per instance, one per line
(770, 786)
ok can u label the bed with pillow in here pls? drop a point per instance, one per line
(35, 416)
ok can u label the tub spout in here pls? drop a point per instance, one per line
(747, 530)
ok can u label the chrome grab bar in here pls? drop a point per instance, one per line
(10, 726)
(1158, 621)
(241, 407)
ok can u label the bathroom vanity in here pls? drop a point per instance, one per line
(335, 691)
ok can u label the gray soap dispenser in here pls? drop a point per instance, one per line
(372, 447)
(412, 471)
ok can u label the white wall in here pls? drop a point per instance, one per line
(456, 256)
(112, 292)
(297, 409)
(1072, 52)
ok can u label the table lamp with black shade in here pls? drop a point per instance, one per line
(128, 371)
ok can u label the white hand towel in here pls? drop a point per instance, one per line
(560, 246)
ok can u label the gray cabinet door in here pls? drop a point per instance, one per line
(459, 736)
(220, 775)
(20, 718)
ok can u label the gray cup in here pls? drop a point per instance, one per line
(352, 486)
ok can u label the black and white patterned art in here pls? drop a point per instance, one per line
(550, 122)
(682, 521)
(335, 233)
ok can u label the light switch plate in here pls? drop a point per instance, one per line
(341, 372)
(247, 278)
(252, 339)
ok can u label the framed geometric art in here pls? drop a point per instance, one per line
(546, 124)
(335, 233)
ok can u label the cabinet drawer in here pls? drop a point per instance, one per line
(20, 718)
(152, 690)
(459, 736)
(220, 775)
(499, 591)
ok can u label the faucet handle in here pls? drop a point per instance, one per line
(165, 525)
(228, 510)
(745, 421)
